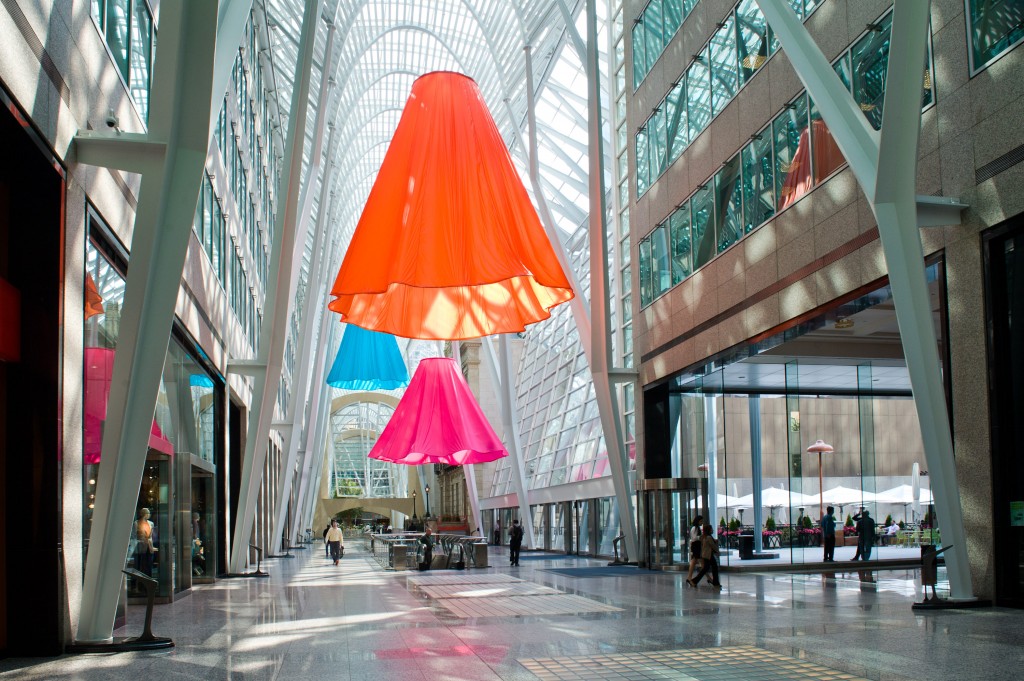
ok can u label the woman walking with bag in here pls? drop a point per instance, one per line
(709, 554)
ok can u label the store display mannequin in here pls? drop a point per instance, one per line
(142, 533)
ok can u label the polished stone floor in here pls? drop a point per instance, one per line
(572, 619)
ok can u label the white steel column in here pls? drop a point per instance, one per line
(321, 392)
(469, 470)
(601, 330)
(171, 157)
(885, 165)
(509, 425)
(611, 429)
(274, 329)
(297, 399)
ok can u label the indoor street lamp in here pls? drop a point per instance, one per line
(821, 447)
(427, 491)
(414, 504)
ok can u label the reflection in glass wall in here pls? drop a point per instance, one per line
(994, 27)
(744, 428)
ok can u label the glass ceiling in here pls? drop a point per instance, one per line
(381, 46)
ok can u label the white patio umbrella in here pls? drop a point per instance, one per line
(775, 497)
(904, 495)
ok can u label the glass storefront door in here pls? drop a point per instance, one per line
(153, 522)
(669, 513)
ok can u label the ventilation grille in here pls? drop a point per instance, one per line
(1004, 162)
(45, 60)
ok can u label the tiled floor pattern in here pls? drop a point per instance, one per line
(485, 590)
(719, 664)
(499, 595)
(558, 604)
(356, 622)
(463, 577)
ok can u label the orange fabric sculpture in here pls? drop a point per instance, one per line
(448, 246)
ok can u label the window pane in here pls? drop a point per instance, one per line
(827, 157)
(698, 97)
(753, 41)
(995, 25)
(702, 227)
(870, 59)
(679, 226)
(97, 11)
(758, 186)
(642, 169)
(675, 113)
(673, 17)
(723, 66)
(645, 272)
(639, 55)
(792, 156)
(117, 33)
(659, 148)
(842, 67)
(661, 275)
(142, 58)
(728, 204)
(653, 33)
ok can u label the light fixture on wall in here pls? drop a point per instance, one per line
(844, 323)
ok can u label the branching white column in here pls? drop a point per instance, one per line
(297, 399)
(886, 168)
(274, 329)
(601, 330)
(171, 159)
(581, 312)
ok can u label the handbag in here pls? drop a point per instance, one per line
(341, 551)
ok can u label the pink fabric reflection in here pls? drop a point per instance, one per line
(438, 421)
(99, 367)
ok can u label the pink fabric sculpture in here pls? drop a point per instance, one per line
(438, 421)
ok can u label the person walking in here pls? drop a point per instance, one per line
(335, 538)
(327, 547)
(709, 555)
(497, 533)
(828, 534)
(865, 534)
(695, 545)
(515, 543)
(427, 541)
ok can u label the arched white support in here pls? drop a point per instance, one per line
(171, 158)
(274, 329)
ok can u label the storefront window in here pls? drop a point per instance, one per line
(753, 39)
(792, 153)
(661, 275)
(676, 115)
(702, 226)
(646, 295)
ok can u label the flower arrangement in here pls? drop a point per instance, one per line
(849, 531)
(810, 531)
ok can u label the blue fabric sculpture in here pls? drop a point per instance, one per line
(368, 360)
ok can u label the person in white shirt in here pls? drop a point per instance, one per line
(335, 538)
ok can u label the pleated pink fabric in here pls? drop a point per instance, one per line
(438, 421)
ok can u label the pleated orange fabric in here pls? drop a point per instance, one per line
(449, 246)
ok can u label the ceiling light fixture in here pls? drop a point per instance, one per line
(844, 323)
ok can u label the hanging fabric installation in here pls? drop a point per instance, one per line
(438, 421)
(368, 360)
(466, 255)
